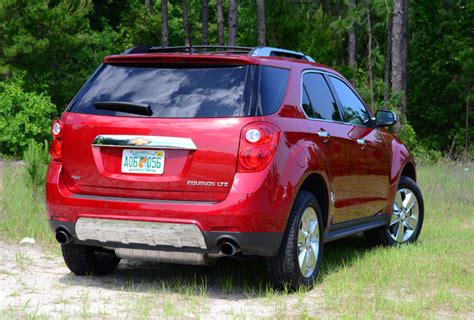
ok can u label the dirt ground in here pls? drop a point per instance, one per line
(34, 282)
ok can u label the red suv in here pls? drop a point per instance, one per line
(188, 154)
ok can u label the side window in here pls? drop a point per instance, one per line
(306, 104)
(322, 101)
(354, 110)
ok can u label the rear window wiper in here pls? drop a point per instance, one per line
(124, 106)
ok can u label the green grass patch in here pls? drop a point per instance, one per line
(429, 279)
(22, 212)
(436, 274)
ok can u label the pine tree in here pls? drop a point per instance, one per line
(261, 22)
(232, 22)
(164, 23)
(205, 22)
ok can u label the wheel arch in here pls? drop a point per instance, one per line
(316, 184)
(409, 171)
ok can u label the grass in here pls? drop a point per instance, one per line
(22, 213)
(429, 279)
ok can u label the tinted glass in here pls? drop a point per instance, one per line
(272, 89)
(186, 92)
(354, 110)
(322, 101)
(307, 107)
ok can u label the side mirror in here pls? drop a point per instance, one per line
(385, 118)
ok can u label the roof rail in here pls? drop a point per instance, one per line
(251, 51)
(189, 49)
(277, 52)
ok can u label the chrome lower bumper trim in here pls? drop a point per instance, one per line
(140, 232)
(163, 256)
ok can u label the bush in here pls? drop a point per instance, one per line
(23, 116)
(408, 136)
(425, 155)
(36, 158)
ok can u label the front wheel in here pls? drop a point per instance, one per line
(406, 220)
(297, 262)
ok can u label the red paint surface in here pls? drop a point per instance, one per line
(363, 179)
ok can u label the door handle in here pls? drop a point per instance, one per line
(324, 134)
(361, 141)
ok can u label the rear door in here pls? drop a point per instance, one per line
(169, 133)
(334, 140)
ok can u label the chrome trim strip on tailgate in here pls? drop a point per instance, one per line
(144, 142)
(141, 200)
(140, 232)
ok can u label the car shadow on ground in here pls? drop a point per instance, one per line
(227, 278)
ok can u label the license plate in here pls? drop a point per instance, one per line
(143, 161)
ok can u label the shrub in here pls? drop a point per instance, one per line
(23, 116)
(36, 157)
(408, 136)
(425, 155)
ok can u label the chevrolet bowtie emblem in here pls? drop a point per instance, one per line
(140, 141)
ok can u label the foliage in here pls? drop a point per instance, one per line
(57, 44)
(408, 136)
(424, 155)
(439, 67)
(52, 43)
(36, 157)
(23, 115)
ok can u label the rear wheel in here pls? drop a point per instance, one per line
(298, 260)
(87, 260)
(406, 220)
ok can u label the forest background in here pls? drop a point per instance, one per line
(414, 57)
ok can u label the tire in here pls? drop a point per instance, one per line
(401, 218)
(87, 260)
(284, 269)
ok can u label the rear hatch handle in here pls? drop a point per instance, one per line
(144, 142)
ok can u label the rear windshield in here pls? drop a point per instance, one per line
(196, 92)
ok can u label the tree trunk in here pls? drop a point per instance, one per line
(261, 22)
(388, 62)
(205, 22)
(399, 19)
(232, 22)
(220, 23)
(369, 55)
(405, 50)
(164, 23)
(148, 5)
(352, 42)
(468, 97)
(187, 42)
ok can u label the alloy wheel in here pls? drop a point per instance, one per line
(405, 215)
(308, 242)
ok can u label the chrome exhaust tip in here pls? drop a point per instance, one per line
(228, 248)
(63, 237)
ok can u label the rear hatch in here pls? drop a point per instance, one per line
(169, 132)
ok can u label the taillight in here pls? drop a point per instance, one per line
(258, 143)
(56, 150)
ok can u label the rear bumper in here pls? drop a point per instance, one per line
(265, 244)
(253, 215)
